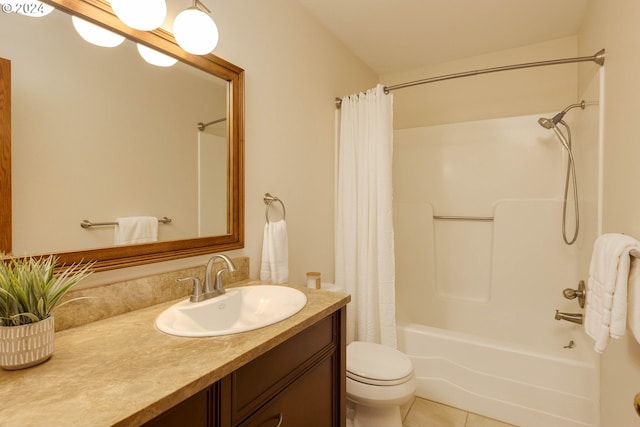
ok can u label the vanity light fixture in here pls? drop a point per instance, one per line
(193, 28)
(95, 34)
(154, 57)
(145, 15)
(195, 31)
(34, 8)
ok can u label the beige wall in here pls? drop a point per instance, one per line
(503, 94)
(614, 26)
(293, 69)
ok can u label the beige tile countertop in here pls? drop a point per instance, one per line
(122, 371)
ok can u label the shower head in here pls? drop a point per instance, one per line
(546, 123)
(551, 123)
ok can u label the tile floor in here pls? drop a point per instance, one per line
(425, 413)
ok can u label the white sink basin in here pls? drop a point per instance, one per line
(238, 310)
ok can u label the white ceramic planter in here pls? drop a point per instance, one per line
(26, 345)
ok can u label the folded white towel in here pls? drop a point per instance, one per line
(275, 252)
(633, 298)
(136, 229)
(606, 309)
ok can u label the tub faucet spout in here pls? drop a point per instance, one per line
(569, 317)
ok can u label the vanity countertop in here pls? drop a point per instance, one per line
(122, 371)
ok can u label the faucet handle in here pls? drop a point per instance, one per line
(196, 294)
(579, 293)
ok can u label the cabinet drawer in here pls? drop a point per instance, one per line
(261, 379)
(307, 402)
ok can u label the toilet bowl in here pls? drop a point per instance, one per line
(379, 380)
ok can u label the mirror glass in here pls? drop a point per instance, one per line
(99, 134)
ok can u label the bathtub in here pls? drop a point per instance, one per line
(553, 387)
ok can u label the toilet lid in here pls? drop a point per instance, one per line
(377, 364)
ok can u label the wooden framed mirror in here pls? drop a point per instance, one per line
(108, 256)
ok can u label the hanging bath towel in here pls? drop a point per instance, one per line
(606, 310)
(275, 252)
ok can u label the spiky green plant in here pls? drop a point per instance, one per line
(30, 287)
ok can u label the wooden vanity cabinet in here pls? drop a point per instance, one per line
(300, 382)
(196, 411)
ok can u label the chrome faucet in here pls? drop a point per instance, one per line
(569, 317)
(213, 288)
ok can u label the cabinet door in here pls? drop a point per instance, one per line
(193, 412)
(306, 402)
(261, 379)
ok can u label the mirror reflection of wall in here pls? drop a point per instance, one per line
(212, 206)
(98, 134)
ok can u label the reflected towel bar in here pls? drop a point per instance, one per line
(462, 218)
(88, 224)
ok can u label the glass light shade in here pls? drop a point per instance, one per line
(34, 8)
(154, 57)
(145, 15)
(95, 34)
(195, 31)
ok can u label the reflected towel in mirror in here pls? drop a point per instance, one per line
(135, 229)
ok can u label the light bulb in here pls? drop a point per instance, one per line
(154, 57)
(34, 8)
(145, 15)
(95, 34)
(195, 31)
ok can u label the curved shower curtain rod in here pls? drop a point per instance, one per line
(598, 58)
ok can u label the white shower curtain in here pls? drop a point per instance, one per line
(365, 263)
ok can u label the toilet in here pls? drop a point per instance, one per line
(379, 380)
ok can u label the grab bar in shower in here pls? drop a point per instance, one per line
(463, 218)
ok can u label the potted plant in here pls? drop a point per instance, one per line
(30, 288)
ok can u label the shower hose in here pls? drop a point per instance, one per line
(571, 172)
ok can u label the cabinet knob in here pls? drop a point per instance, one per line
(636, 404)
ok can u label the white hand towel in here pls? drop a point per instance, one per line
(275, 252)
(136, 229)
(633, 298)
(606, 309)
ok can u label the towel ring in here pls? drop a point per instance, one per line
(268, 199)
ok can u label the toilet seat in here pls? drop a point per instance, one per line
(377, 364)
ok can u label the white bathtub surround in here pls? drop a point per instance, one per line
(529, 386)
(365, 263)
(606, 310)
(479, 296)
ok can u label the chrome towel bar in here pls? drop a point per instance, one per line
(88, 224)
